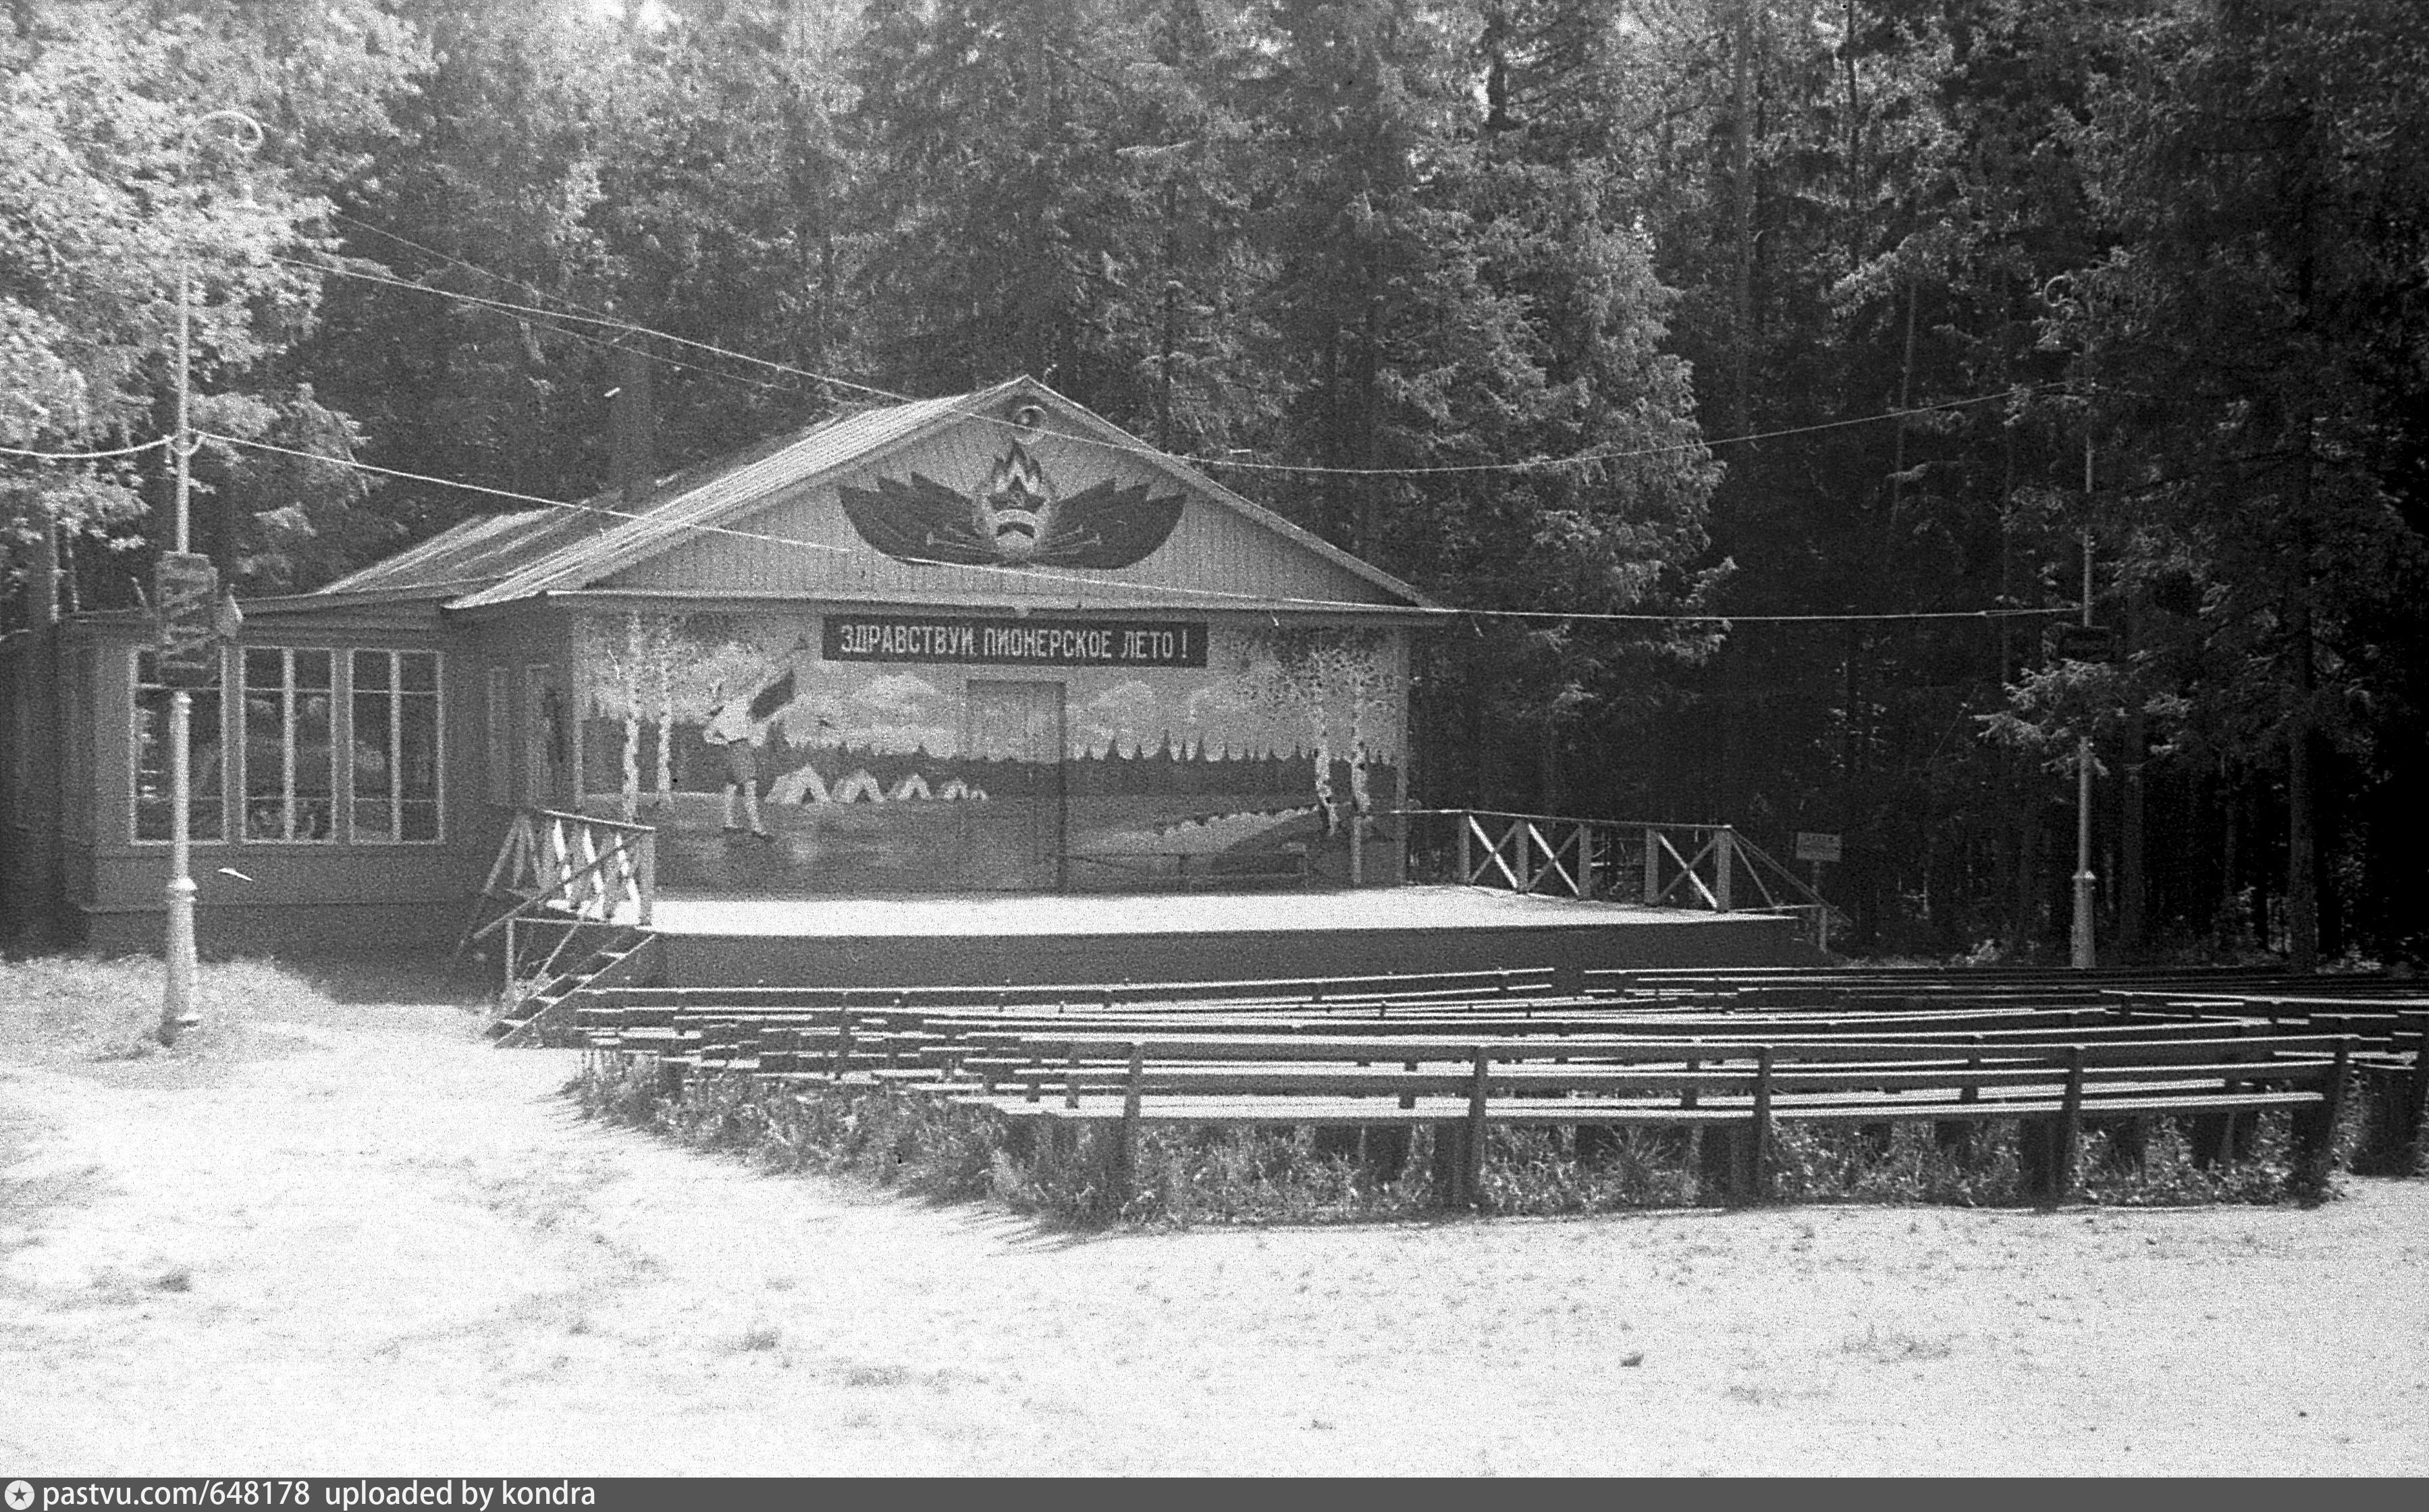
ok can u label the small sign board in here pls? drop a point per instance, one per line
(1015, 642)
(186, 601)
(1813, 844)
(2085, 643)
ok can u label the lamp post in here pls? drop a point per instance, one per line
(177, 988)
(2084, 952)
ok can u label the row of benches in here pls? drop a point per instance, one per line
(1420, 1051)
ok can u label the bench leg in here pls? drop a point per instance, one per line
(1954, 1138)
(2416, 1120)
(1122, 1163)
(1450, 1166)
(2213, 1138)
(2314, 1129)
(1385, 1154)
(1720, 1163)
(2037, 1159)
(2393, 1123)
(2246, 1136)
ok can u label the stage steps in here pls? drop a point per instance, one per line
(623, 957)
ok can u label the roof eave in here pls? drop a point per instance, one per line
(1144, 601)
(583, 564)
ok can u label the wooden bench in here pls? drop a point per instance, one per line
(1491, 983)
(988, 1046)
(1464, 1051)
(1462, 1090)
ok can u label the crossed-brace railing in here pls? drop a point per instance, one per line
(1708, 866)
(556, 875)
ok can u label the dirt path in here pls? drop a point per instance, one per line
(369, 1244)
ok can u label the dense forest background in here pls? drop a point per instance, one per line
(1744, 307)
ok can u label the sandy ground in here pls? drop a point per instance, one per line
(369, 1244)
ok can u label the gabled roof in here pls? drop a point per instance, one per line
(501, 559)
(492, 551)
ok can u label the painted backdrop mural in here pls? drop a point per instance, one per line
(792, 753)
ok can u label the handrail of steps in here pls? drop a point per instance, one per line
(565, 872)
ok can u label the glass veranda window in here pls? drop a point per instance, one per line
(206, 774)
(289, 704)
(396, 747)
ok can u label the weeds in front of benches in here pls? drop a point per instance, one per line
(1187, 1175)
(1903, 1162)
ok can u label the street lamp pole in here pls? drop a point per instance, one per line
(177, 988)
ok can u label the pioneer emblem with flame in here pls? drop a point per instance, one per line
(1014, 519)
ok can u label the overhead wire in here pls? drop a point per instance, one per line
(539, 292)
(85, 456)
(1034, 575)
(610, 321)
(1314, 470)
(584, 315)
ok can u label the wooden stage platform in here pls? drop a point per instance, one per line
(996, 939)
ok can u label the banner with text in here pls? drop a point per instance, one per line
(1015, 642)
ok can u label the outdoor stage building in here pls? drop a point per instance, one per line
(986, 642)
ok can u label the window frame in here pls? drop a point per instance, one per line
(538, 740)
(286, 694)
(497, 713)
(135, 690)
(395, 694)
(233, 776)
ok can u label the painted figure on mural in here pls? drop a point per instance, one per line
(736, 735)
(738, 727)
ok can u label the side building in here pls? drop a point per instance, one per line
(982, 643)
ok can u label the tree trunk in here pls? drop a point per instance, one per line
(1552, 794)
(2028, 878)
(1742, 213)
(2302, 892)
(2133, 881)
(1863, 863)
(1854, 144)
(42, 582)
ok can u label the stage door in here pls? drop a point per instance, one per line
(1014, 839)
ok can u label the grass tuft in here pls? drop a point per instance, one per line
(76, 1007)
(759, 1338)
(1896, 1347)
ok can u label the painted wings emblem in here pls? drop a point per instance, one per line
(1014, 521)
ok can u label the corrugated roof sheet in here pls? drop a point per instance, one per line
(690, 503)
(527, 551)
(469, 551)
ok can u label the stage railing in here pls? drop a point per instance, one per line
(1708, 866)
(563, 872)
